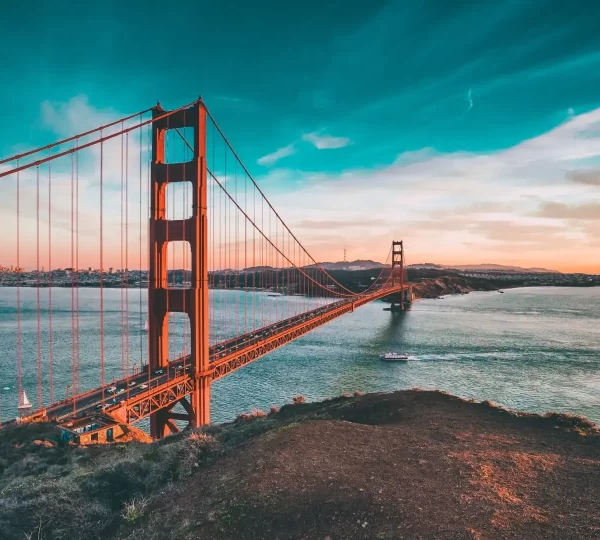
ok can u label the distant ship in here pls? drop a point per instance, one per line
(24, 405)
(394, 357)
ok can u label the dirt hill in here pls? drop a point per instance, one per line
(409, 464)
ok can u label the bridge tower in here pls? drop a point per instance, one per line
(163, 300)
(398, 275)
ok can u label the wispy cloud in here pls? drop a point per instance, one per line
(79, 172)
(230, 99)
(326, 142)
(463, 207)
(586, 178)
(557, 210)
(470, 99)
(274, 157)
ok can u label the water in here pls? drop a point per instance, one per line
(533, 349)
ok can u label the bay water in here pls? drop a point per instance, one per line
(532, 349)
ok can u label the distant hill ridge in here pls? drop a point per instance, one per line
(350, 265)
(485, 266)
(367, 264)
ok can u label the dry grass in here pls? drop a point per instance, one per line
(502, 478)
(252, 415)
(134, 509)
(201, 437)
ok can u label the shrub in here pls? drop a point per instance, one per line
(134, 509)
(299, 399)
(199, 437)
(255, 413)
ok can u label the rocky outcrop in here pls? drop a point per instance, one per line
(436, 287)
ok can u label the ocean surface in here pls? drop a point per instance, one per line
(533, 349)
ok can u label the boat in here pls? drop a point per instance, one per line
(24, 405)
(394, 357)
(146, 325)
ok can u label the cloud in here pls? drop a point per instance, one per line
(80, 171)
(459, 207)
(470, 99)
(74, 116)
(557, 210)
(525, 205)
(518, 232)
(587, 178)
(335, 224)
(325, 142)
(274, 157)
(230, 99)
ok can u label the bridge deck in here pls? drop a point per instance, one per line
(138, 396)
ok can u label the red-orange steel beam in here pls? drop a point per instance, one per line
(168, 394)
(163, 300)
(173, 391)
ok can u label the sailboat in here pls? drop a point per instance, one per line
(146, 325)
(24, 405)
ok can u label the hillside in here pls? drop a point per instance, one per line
(502, 268)
(482, 267)
(408, 464)
(350, 265)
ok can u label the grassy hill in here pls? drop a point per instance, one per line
(407, 464)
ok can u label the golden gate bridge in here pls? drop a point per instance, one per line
(162, 194)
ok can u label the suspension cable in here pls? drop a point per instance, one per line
(101, 140)
(74, 137)
(273, 245)
(270, 205)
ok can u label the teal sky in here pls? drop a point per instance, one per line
(430, 104)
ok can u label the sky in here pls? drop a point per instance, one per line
(471, 130)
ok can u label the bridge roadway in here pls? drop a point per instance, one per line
(225, 357)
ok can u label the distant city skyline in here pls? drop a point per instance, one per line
(476, 140)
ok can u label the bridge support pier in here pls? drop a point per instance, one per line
(161, 299)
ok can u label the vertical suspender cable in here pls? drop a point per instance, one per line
(148, 210)
(101, 267)
(122, 271)
(173, 250)
(245, 255)
(73, 336)
(78, 334)
(50, 377)
(39, 341)
(126, 300)
(19, 358)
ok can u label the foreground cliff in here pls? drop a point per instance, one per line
(409, 464)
